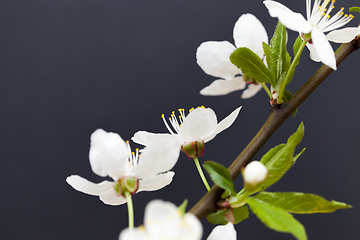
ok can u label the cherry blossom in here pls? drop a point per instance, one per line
(111, 156)
(213, 58)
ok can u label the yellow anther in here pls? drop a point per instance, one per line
(328, 16)
(346, 15)
(127, 141)
(191, 109)
(162, 115)
(351, 16)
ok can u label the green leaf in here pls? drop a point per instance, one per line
(251, 65)
(296, 49)
(354, 9)
(297, 45)
(220, 176)
(266, 49)
(279, 159)
(277, 219)
(278, 51)
(182, 207)
(296, 202)
(239, 214)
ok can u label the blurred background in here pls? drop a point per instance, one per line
(70, 67)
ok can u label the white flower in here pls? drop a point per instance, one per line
(255, 173)
(220, 232)
(163, 221)
(201, 123)
(111, 156)
(213, 58)
(318, 22)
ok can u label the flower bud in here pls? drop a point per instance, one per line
(126, 184)
(254, 173)
(192, 149)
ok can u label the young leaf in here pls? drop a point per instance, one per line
(278, 51)
(266, 49)
(279, 159)
(251, 65)
(277, 219)
(296, 202)
(354, 9)
(239, 214)
(220, 176)
(296, 49)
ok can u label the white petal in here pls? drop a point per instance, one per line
(254, 173)
(344, 35)
(313, 54)
(162, 220)
(147, 138)
(222, 87)
(227, 232)
(224, 124)
(200, 122)
(213, 58)
(85, 186)
(157, 158)
(110, 197)
(108, 154)
(191, 228)
(323, 48)
(251, 91)
(156, 183)
(290, 19)
(133, 234)
(250, 33)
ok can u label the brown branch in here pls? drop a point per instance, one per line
(277, 116)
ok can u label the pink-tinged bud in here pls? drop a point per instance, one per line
(192, 149)
(126, 184)
(254, 173)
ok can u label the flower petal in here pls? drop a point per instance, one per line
(251, 91)
(191, 228)
(162, 220)
(344, 35)
(133, 234)
(323, 48)
(213, 58)
(200, 123)
(83, 185)
(250, 33)
(156, 183)
(108, 154)
(227, 232)
(222, 87)
(147, 138)
(313, 55)
(110, 197)
(224, 124)
(290, 19)
(157, 158)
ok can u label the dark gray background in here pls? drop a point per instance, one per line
(69, 67)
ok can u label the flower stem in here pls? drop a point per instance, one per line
(130, 209)
(196, 160)
(266, 89)
(291, 69)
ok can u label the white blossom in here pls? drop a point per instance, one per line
(200, 123)
(213, 58)
(111, 156)
(318, 22)
(221, 232)
(163, 221)
(254, 173)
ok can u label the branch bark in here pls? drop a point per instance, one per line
(276, 117)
